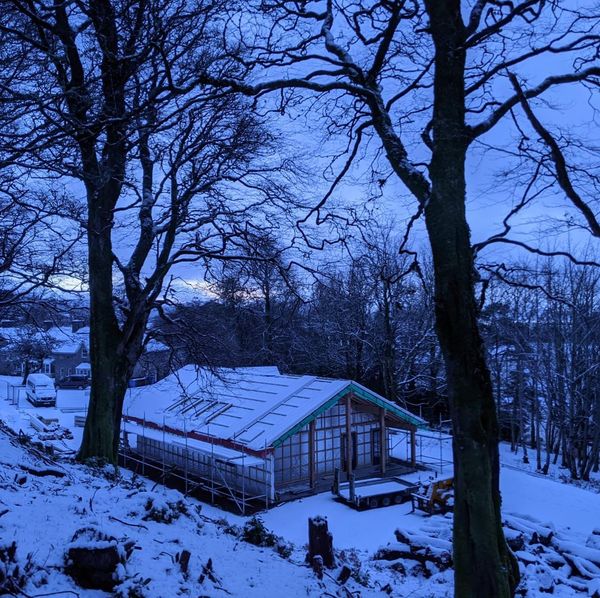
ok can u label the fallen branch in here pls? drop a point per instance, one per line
(43, 472)
(113, 518)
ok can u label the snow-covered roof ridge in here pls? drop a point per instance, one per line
(254, 407)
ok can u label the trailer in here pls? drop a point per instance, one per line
(374, 492)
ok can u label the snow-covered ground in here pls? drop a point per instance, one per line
(16, 410)
(43, 513)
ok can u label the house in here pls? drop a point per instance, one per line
(256, 435)
(70, 349)
(62, 350)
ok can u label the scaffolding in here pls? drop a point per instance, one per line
(433, 448)
(228, 477)
(229, 473)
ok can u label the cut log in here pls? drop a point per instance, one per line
(537, 533)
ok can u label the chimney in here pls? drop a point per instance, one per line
(76, 325)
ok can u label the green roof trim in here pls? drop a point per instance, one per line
(361, 392)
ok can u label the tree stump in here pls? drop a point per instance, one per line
(344, 575)
(320, 541)
(92, 559)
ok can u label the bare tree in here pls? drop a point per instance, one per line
(106, 94)
(440, 67)
(37, 246)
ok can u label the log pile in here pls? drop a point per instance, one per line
(547, 559)
(427, 551)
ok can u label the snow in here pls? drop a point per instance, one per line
(69, 403)
(362, 530)
(566, 506)
(43, 515)
(45, 512)
(250, 406)
(41, 379)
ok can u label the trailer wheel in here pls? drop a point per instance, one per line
(386, 501)
(398, 499)
(373, 503)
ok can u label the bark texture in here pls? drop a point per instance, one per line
(484, 565)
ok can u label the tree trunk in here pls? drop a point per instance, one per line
(26, 369)
(113, 354)
(389, 344)
(105, 334)
(484, 565)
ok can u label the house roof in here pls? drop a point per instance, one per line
(69, 348)
(155, 346)
(60, 338)
(252, 407)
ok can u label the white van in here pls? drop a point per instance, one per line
(40, 390)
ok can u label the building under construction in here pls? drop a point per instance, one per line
(256, 437)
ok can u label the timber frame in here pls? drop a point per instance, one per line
(324, 425)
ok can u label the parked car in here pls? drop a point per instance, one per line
(78, 381)
(40, 390)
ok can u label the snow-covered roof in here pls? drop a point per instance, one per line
(84, 366)
(252, 407)
(155, 346)
(61, 338)
(68, 348)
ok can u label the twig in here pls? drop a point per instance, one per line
(113, 518)
(59, 593)
(169, 555)
(92, 500)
